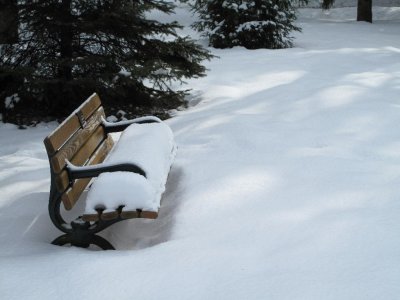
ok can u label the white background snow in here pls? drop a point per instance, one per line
(286, 184)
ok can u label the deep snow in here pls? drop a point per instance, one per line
(151, 147)
(285, 185)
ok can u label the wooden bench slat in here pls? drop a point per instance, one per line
(71, 196)
(62, 181)
(52, 143)
(93, 103)
(149, 214)
(109, 215)
(63, 132)
(70, 148)
(130, 214)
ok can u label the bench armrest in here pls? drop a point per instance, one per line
(75, 172)
(122, 125)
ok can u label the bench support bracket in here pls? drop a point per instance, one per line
(79, 233)
(81, 237)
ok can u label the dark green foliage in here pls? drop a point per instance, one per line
(68, 49)
(253, 23)
(8, 21)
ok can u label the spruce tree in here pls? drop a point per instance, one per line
(68, 49)
(250, 23)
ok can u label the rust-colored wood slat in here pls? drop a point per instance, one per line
(109, 215)
(71, 196)
(76, 142)
(63, 132)
(149, 214)
(129, 214)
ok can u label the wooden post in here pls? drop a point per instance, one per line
(8, 22)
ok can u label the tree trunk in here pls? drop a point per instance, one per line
(66, 37)
(364, 10)
(8, 22)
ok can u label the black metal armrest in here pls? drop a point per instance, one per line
(75, 172)
(122, 125)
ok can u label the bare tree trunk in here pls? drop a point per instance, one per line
(327, 4)
(66, 36)
(8, 22)
(364, 10)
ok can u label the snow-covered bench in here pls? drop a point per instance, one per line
(131, 175)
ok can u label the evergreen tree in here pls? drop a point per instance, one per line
(250, 23)
(68, 49)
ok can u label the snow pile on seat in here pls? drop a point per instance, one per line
(151, 147)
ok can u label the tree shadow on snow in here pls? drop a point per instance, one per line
(26, 221)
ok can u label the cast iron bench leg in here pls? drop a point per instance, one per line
(91, 239)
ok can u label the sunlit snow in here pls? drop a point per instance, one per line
(286, 184)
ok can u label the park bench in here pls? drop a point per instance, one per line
(131, 174)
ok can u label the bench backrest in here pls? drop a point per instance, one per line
(80, 139)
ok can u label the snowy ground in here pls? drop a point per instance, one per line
(286, 183)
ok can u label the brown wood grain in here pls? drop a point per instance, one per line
(149, 214)
(62, 181)
(57, 139)
(91, 106)
(109, 215)
(62, 133)
(73, 146)
(71, 196)
(129, 214)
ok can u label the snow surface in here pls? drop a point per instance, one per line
(152, 148)
(10, 101)
(286, 184)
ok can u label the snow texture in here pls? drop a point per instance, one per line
(152, 148)
(285, 185)
(10, 101)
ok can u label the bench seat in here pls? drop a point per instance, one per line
(149, 146)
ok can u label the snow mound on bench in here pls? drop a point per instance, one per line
(152, 148)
